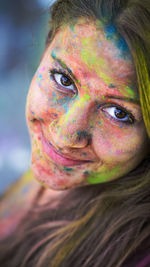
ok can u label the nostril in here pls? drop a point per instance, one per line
(84, 135)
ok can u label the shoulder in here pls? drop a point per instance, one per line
(140, 257)
(16, 201)
(20, 197)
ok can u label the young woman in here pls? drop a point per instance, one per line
(88, 114)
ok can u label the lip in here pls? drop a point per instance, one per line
(55, 156)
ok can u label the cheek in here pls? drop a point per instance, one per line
(41, 103)
(115, 144)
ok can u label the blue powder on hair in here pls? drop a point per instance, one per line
(122, 45)
(112, 34)
(110, 31)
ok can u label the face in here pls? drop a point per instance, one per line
(83, 110)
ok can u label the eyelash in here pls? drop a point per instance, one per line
(52, 73)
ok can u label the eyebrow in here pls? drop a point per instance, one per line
(127, 99)
(63, 65)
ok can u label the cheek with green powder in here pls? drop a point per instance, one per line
(102, 177)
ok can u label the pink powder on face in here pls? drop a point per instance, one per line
(118, 152)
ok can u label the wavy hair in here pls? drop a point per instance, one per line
(98, 225)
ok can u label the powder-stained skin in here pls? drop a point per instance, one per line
(83, 104)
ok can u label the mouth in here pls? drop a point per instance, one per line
(57, 157)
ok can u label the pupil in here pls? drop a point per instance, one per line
(65, 81)
(120, 114)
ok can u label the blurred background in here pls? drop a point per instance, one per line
(23, 29)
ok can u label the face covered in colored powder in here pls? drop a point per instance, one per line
(83, 109)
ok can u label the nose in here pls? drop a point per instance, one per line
(71, 129)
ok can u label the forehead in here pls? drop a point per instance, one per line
(89, 34)
(93, 49)
(94, 37)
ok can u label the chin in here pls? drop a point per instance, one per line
(52, 181)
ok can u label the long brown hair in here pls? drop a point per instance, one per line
(97, 225)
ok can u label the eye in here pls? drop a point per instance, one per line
(63, 80)
(120, 114)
